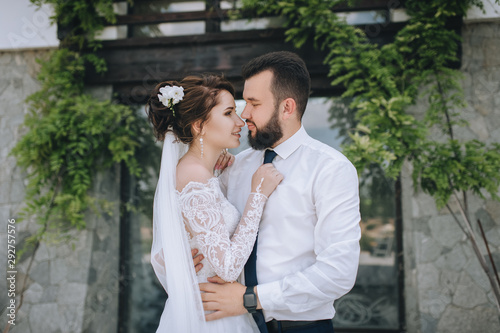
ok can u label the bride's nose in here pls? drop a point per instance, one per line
(239, 122)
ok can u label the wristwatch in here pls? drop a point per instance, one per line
(250, 300)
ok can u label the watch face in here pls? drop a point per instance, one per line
(249, 300)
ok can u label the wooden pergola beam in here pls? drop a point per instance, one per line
(136, 65)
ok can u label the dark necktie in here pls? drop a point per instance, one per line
(250, 266)
(269, 156)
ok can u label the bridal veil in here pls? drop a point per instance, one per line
(170, 253)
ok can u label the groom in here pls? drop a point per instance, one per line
(307, 250)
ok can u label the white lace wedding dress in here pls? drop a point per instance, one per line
(214, 228)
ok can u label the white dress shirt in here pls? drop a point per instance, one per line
(308, 241)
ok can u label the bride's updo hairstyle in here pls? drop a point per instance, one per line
(200, 96)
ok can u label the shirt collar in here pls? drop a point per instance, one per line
(286, 148)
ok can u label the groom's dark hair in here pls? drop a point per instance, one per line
(290, 76)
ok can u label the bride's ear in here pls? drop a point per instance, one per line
(197, 128)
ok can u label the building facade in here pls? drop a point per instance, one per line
(80, 287)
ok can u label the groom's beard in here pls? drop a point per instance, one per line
(268, 135)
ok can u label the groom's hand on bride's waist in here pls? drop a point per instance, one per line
(197, 260)
(226, 299)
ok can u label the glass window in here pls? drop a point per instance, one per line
(113, 32)
(230, 4)
(168, 28)
(364, 17)
(253, 24)
(373, 302)
(142, 298)
(166, 6)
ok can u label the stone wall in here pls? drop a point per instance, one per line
(446, 290)
(71, 287)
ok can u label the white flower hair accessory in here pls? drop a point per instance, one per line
(171, 95)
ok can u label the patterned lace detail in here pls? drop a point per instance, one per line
(259, 187)
(209, 222)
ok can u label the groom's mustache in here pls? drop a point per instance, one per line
(251, 122)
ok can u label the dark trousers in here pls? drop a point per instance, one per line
(320, 326)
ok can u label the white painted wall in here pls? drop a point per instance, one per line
(492, 12)
(22, 26)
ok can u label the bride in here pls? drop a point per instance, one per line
(196, 118)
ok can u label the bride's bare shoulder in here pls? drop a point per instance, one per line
(189, 171)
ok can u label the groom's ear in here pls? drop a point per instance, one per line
(288, 107)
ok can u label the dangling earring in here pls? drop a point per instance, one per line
(201, 144)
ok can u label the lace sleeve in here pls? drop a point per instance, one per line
(202, 212)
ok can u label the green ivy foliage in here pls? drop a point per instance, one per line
(70, 135)
(382, 84)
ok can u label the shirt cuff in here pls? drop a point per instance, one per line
(270, 296)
